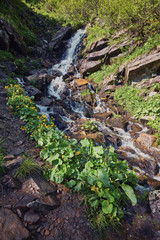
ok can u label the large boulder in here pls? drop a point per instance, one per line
(90, 66)
(98, 45)
(10, 39)
(11, 227)
(143, 67)
(62, 34)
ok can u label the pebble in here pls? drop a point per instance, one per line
(46, 233)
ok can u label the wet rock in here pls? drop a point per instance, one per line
(11, 227)
(81, 82)
(40, 79)
(62, 34)
(145, 141)
(33, 91)
(31, 217)
(45, 101)
(143, 67)
(103, 116)
(117, 122)
(136, 128)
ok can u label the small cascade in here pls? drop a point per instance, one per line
(99, 105)
(57, 85)
(57, 88)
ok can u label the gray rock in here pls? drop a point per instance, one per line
(4, 40)
(11, 228)
(12, 38)
(22, 203)
(143, 67)
(46, 101)
(90, 66)
(33, 91)
(31, 217)
(62, 34)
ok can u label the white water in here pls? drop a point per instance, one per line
(57, 85)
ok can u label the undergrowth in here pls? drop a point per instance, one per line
(130, 98)
(27, 167)
(92, 170)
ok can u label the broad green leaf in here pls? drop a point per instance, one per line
(91, 180)
(70, 184)
(85, 142)
(106, 207)
(44, 154)
(98, 151)
(88, 165)
(130, 193)
(52, 158)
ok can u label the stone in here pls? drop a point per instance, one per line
(154, 202)
(45, 101)
(41, 186)
(103, 115)
(33, 91)
(2, 75)
(117, 122)
(13, 163)
(22, 203)
(143, 67)
(11, 228)
(43, 205)
(145, 119)
(98, 45)
(11, 38)
(94, 56)
(145, 141)
(147, 83)
(111, 79)
(90, 66)
(31, 217)
(81, 82)
(4, 40)
(62, 34)
(136, 128)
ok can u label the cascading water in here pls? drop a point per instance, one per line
(57, 85)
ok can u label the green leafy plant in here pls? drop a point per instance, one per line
(26, 168)
(92, 170)
(89, 126)
(130, 97)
